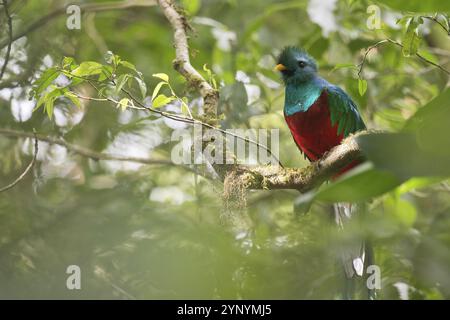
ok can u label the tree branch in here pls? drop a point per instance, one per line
(82, 150)
(251, 177)
(182, 62)
(86, 7)
(301, 179)
(8, 50)
(27, 169)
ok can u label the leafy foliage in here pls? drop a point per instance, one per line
(155, 231)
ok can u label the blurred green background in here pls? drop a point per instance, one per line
(155, 231)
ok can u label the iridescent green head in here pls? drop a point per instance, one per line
(296, 65)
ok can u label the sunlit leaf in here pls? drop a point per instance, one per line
(191, 6)
(68, 63)
(157, 88)
(161, 76)
(362, 86)
(123, 104)
(161, 100)
(87, 68)
(184, 106)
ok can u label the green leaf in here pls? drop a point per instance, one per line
(45, 80)
(211, 78)
(142, 86)
(359, 184)
(72, 97)
(362, 86)
(436, 108)
(403, 21)
(342, 66)
(161, 100)
(128, 65)
(402, 210)
(131, 66)
(48, 99)
(417, 183)
(39, 103)
(68, 63)
(157, 89)
(430, 125)
(411, 37)
(191, 6)
(106, 73)
(184, 106)
(161, 76)
(123, 104)
(402, 155)
(121, 82)
(49, 107)
(87, 68)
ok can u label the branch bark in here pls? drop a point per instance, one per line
(301, 179)
(182, 62)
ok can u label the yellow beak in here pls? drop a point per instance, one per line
(280, 67)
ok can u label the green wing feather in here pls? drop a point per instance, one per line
(343, 111)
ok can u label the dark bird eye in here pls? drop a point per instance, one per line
(302, 64)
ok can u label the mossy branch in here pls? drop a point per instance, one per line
(301, 179)
(182, 62)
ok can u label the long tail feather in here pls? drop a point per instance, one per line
(355, 253)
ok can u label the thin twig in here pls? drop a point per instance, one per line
(361, 65)
(201, 123)
(10, 40)
(421, 57)
(168, 115)
(434, 18)
(27, 169)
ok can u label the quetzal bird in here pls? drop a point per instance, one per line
(319, 115)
